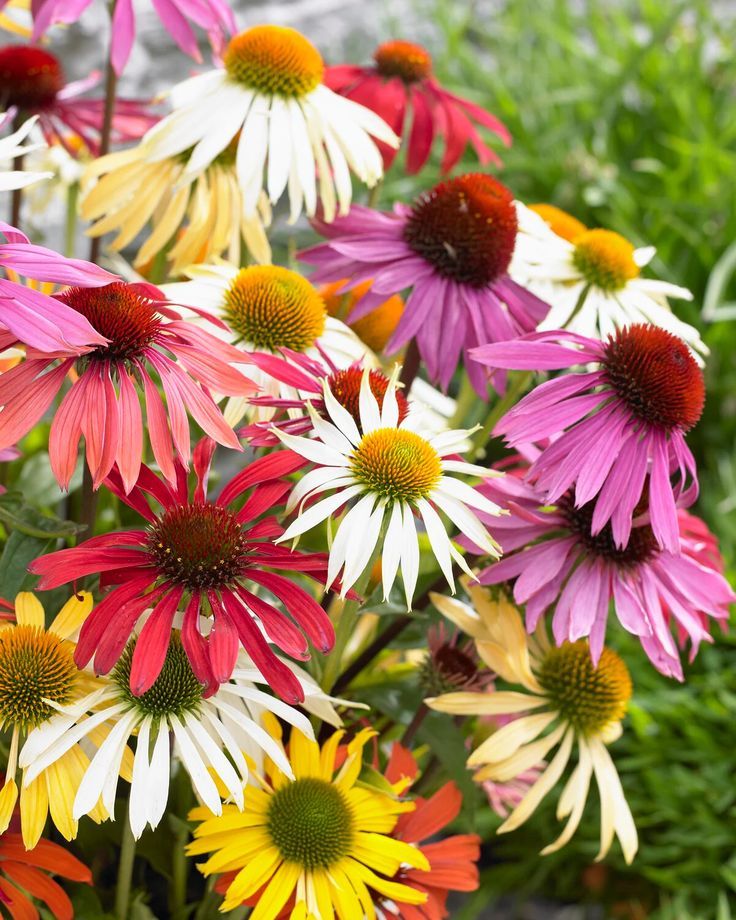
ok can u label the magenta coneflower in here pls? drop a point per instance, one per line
(210, 559)
(31, 318)
(559, 564)
(32, 80)
(452, 247)
(177, 17)
(617, 428)
(400, 87)
(145, 342)
(307, 376)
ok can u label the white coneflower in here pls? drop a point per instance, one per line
(387, 472)
(210, 733)
(592, 278)
(295, 133)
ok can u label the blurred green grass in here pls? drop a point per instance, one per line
(624, 113)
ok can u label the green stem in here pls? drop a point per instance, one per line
(17, 194)
(182, 798)
(375, 194)
(89, 505)
(111, 85)
(517, 384)
(70, 227)
(125, 870)
(465, 399)
(291, 248)
(346, 624)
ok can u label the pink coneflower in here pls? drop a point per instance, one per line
(559, 564)
(616, 429)
(34, 319)
(145, 341)
(401, 86)
(503, 797)
(214, 16)
(209, 559)
(452, 247)
(32, 80)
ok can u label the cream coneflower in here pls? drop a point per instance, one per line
(268, 310)
(37, 675)
(566, 703)
(387, 471)
(295, 132)
(202, 214)
(592, 278)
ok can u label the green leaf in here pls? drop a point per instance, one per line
(18, 515)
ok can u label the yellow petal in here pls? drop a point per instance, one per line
(34, 809)
(29, 610)
(277, 892)
(8, 798)
(71, 616)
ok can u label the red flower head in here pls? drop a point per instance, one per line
(23, 873)
(207, 559)
(401, 88)
(33, 82)
(144, 341)
(452, 860)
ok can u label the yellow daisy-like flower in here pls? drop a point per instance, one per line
(37, 673)
(202, 214)
(565, 703)
(321, 837)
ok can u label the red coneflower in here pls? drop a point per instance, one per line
(23, 872)
(32, 80)
(401, 84)
(145, 340)
(452, 860)
(205, 558)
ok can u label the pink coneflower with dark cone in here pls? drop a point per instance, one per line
(400, 87)
(177, 17)
(145, 343)
(32, 80)
(34, 319)
(210, 559)
(452, 247)
(503, 797)
(559, 565)
(307, 376)
(616, 429)
(451, 664)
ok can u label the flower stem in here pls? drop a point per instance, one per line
(17, 195)
(370, 652)
(346, 624)
(517, 384)
(413, 727)
(111, 85)
(182, 798)
(70, 227)
(411, 366)
(89, 505)
(125, 870)
(383, 639)
(375, 194)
